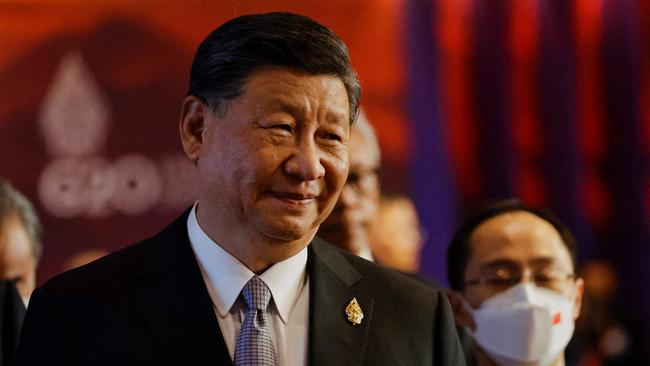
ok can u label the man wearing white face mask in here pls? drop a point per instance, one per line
(514, 288)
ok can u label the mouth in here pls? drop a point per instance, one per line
(294, 198)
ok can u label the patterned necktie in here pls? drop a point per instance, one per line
(254, 345)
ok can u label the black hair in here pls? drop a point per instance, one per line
(460, 251)
(233, 51)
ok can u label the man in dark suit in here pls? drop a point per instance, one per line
(348, 225)
(240, 277)
(356, 214)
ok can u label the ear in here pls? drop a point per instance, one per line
(192, 125)
(462, 315)
(580, 289)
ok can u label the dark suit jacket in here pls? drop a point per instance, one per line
(12, 312)
(148, 305)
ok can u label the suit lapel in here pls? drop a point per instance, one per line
(333, 340)
(169, 293)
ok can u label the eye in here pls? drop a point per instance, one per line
(279, 128)
(502, 278)
(544, 278)
(549, 277)
(353, 178)
(333, 137)
(284, 127)
(330, 135)
(17, 279)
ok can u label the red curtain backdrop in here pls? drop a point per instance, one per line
(91, 93)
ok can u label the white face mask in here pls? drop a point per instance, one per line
(525, 325)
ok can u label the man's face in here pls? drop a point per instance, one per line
(356, 207)
(274, 161)
(396, 237)
(17, 260)
(522, 246)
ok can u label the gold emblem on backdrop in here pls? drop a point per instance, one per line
(354, 312)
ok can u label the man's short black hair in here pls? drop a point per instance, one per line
(459, 251)
(228, 55)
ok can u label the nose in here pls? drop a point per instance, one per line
(305, 163)
(528, 291)
(527, 284)
(527, 277)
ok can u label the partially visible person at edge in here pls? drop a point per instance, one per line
(396, 237)
(514, 287)
(20, 250)
(348, 226)
(20, 240)
(607, 332)
(240, 277)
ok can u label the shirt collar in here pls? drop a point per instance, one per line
(226, 275)
(285, 280)
(366, 253)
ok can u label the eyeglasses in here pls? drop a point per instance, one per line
(363, 178)
(504, 278)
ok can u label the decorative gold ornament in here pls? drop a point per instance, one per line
(354, 313)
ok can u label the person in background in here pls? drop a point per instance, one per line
(395, 235)
(20, 250)
(607, 334)
(20, 240)
(348, 226)
(514, 287)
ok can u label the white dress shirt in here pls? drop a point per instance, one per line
(225, 276)
(366, 253)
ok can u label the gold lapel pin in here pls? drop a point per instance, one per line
(354, 313)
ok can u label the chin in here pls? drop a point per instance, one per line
(287, 231)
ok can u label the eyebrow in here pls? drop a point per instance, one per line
(543, 261)
(332, 116)
(284, 106)
(335, 117)
(500, 263)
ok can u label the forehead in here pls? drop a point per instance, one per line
(15, 243)
(519, 237)
(361, 155)
(273, 88)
